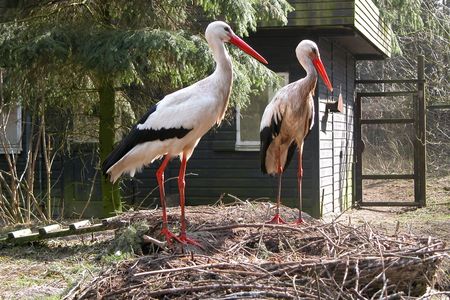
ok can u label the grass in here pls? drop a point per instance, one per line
(47, 270)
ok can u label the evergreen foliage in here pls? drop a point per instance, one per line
(159, 43)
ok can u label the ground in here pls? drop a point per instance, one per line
(48, 270)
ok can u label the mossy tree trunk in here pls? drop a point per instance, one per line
(110, 192)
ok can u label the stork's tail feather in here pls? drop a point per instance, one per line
(108, 169)
(266, 139)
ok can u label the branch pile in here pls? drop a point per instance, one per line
(244, 258)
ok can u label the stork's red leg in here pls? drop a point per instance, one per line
(277, 219)
(181, 185)
(160, 177)
(299, 186)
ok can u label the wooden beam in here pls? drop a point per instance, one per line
(421, 132)
(375, 81)
(19, 233)
(388, 176)
(80, 224)
(438, 106)
(24, 239)
(388, 203)
(387, 121)
(50, 228)
(386, 94)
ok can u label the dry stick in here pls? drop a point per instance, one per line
(126, 289)
(357, 275)
(294, 285)
(258, 294)
(250, 273)
(328, 238)
(327, 293)
(262, 270)
(331, 278)
(239, 245)
(384, 270)
(218, 287)
(91, 191)
(395, 296)
(318, 286)
(377, 277)
(73, 291)
(256, 225)
(341, 289)
(184, 269)
(358, 293)
(149, 240)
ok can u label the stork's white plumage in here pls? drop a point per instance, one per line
(288, 118)
(174, 126)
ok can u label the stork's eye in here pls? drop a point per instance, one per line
(314, 50)
(227, 29)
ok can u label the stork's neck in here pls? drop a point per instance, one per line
(222, 59)
(222, 78)
(311, 73)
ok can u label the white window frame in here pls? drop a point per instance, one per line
(254, 145)
(13, 131)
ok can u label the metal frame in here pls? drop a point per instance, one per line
(419, 174)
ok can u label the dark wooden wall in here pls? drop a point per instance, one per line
(336, 129)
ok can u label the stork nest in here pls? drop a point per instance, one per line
(244, 258)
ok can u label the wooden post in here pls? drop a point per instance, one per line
(421, 131)
(357, 183)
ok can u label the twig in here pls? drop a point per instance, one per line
(149, 240)
(73, 291)
(255, 225)
(181, 269)
(217, 287)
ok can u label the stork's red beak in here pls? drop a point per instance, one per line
(237, 41)
(321, 69)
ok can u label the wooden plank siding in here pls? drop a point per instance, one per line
(336, 129)
(369, 23)
(360, 15)
(321, 13)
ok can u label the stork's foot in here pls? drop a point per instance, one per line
(277, 220)
(299, 221)
(183, 239)
(169, 236)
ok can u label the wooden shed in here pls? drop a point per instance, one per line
(227, 160)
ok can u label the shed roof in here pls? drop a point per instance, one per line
(356, 24)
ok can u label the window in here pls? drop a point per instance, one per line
(249, 118)
(11, 129)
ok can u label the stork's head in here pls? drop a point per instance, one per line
(308, 50)
(221, 31)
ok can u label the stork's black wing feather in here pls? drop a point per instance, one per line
(138, 136)
(267, 135)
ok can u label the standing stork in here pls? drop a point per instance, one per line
(174, 126)
(287, 120)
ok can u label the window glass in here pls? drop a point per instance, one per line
(10, 129)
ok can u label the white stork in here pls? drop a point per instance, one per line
(174, 126)
(287, 120)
